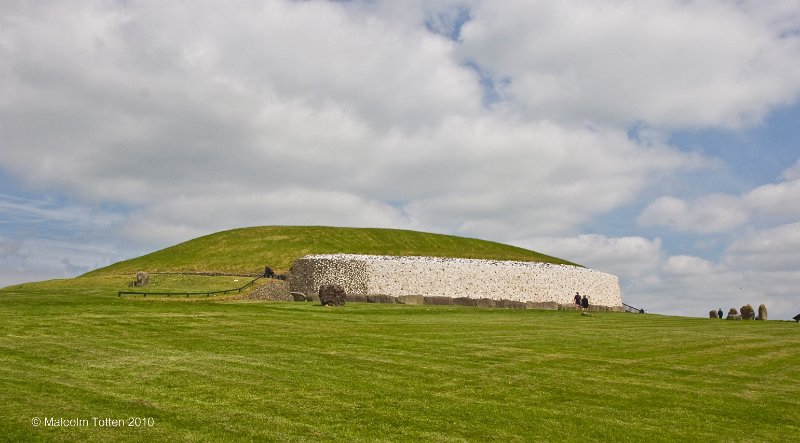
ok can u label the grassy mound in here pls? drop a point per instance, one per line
(248, 250)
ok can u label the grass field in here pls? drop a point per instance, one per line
(250, 249)
(209, 370)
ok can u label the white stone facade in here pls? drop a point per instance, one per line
(451, 277)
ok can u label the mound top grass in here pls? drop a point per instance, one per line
(248, 250)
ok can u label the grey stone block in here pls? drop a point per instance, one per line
(438, 300)
(411, 299)
(465, 301)
(511, 304)
(485, 303)
(381, 298)
(356, 298)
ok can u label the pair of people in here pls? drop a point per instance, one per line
(581, 302)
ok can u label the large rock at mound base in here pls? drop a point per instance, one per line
(712, 313)
(332, 295)
(733, 314)
(747, 312)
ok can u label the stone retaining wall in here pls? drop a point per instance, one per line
(450, 277)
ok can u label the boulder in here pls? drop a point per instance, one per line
(142, 279)
(733, 314)
(332, 295)
(298, 296)
(747, 312)
(411, 299)
(712, 313)
(762, 312)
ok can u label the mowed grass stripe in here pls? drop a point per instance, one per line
(207, 370)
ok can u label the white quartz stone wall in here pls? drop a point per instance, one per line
(450, 277)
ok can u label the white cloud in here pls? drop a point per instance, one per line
(190, 216)
(635, 257)
(668, 63)
(687, 265)
(707, 214)
(759, 268)
(197, 103)
(777, 201)
(792, 173)
(768, 250)
(716, 213)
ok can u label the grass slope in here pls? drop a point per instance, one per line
(248, 250)
(223, 371)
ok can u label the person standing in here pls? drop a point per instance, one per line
(577, 300)
(719, 313)
(585, 302)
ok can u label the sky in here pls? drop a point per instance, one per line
(657, 141)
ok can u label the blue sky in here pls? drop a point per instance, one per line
(657, 143)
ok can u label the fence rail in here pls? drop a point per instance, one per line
(188, 293)
(630, 308)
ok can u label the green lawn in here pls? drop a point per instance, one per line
(210, 370)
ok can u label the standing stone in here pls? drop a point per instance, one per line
(762, 312)
(332, 295)
(712, 313)
(747, 312)
(142, 279)
(733, 314)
